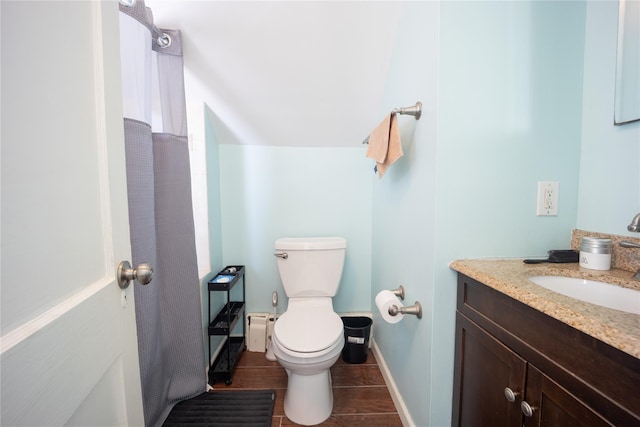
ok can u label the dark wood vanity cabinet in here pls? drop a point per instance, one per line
(484, 367)
(510, 358)
(552, 405)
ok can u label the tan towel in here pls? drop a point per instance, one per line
(385, 146)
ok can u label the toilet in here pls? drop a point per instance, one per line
(308, 337)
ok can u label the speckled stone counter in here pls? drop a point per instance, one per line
(509, 276)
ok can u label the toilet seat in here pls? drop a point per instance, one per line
(309, 326)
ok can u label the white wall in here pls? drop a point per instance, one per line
(218, 299)
(213, 192)
(609, 195)
(292, 73)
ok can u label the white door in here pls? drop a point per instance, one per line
(68, 337)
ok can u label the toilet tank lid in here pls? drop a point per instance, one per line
(310, 243)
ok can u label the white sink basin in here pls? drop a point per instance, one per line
(599, 293)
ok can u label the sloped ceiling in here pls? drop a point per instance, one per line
(307, 74)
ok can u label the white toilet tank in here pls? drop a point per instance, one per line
(312, 267)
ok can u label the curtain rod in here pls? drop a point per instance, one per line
(163, 39)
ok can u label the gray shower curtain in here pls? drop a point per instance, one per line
(168, 310)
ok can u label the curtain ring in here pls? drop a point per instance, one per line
(128, 3)
(164, 40)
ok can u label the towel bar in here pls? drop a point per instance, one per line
(414, 110)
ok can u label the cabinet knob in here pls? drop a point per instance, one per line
(527, 409)
(510, 394)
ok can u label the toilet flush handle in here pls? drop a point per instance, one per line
(282, 255)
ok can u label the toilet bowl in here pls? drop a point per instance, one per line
(308, 338)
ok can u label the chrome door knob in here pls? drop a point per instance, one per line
(126, 274)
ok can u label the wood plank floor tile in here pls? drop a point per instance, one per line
(257, 378)
(278, 408)
(354, 400)
(357, 420)
(360, 396)
(255, 359)
(371, 360)
(356, 375)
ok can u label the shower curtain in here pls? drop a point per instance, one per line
(168, 310)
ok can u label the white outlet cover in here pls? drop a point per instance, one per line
(547, 198)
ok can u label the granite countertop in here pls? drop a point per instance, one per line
(509, 276)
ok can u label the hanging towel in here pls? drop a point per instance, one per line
(385, 146)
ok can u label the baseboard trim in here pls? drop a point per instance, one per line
(403, 412)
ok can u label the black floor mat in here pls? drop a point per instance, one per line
(246, 408)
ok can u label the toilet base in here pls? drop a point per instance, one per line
(309, 398)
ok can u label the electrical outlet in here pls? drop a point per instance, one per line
(547, 198)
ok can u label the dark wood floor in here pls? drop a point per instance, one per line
(360, 396)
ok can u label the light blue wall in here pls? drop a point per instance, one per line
(509, 82)
(609, 194)
(272, 192)
(404, 209)
(510, 116)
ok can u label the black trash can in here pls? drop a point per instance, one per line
(356, 338)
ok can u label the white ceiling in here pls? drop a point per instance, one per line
(308, 74)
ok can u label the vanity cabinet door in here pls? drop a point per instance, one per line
(484, 368)
(553, 406)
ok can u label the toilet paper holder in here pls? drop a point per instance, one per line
(399, 292)
(415, 309)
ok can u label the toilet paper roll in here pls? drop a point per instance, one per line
(386, 299)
